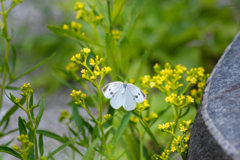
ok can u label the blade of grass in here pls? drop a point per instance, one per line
(32, 69)
(62, 146)
(10, 151)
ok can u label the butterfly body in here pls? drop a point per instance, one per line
(123, 94)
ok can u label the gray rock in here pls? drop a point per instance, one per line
(216, 129)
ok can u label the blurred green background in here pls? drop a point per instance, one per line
(189, 32)
(192, 33)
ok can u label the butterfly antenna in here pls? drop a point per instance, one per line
(120, 77)
(130, 77)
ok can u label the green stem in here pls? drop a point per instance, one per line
(100, 122)
(7, 40)
(185, 90)
(141, 143)
(173, 131)
(32, 125)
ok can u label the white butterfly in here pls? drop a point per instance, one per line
(123, 94)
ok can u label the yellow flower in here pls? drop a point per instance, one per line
(92, 62)
(190, 99)
(86, 50)
(134, 119)
(152, 84)
(65, 27)
(79, 14)
(173, 149)
(107, 116)
(153, 115)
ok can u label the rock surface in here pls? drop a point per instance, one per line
(216, 129)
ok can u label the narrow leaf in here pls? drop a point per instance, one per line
(90, 151)
(31, 150)
(63, 81)
(121, 128)
(10, 151)
(21, 125)
(42, 106)
(62, 146)
(112, 52)
(117, 8)
(14, 58)
(12, 88)
(58, 138)
(151, 135)
(125, 49)
(78, 120)
(133, 17)
(32, 69)
(40, 143)
(30, 105)
(142, 64)
(71, 34)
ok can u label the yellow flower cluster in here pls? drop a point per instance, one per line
(180, 143)
(26, 89)
(89, 16)
(163, 156)
(141, 107)
(116, 34)
(65, 117)
(166, 79)
(197, 93)
(89, 74)
(181, 101)
(78, 6)
(107, 117)
(72, 68)
(78, 97)
(134, 119)
(26, 145)
(194, 74)
(76, 27)
(167, 127)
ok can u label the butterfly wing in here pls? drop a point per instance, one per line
(129, 102)
(110, 89)
(138, 94)
(117, 99)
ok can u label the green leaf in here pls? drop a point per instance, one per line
(117, 8)
(142, 64)
(32, 69)
(78, 120)
(6, 144)
(58, 138)
(10, 151)
(121, 128)
(6, 124)
(71, 34)
(186, 112)
(40, 143)
(31, 150)
(112, 53)
(90, 150)
(42, 106)
(30, 106)
(62, 146)
(21, 125)
(14, 58)
(63, 81)
(133, 17)
(12, 88)
(125, 49)
(150, 134)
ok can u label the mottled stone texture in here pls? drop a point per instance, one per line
(216, 130)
